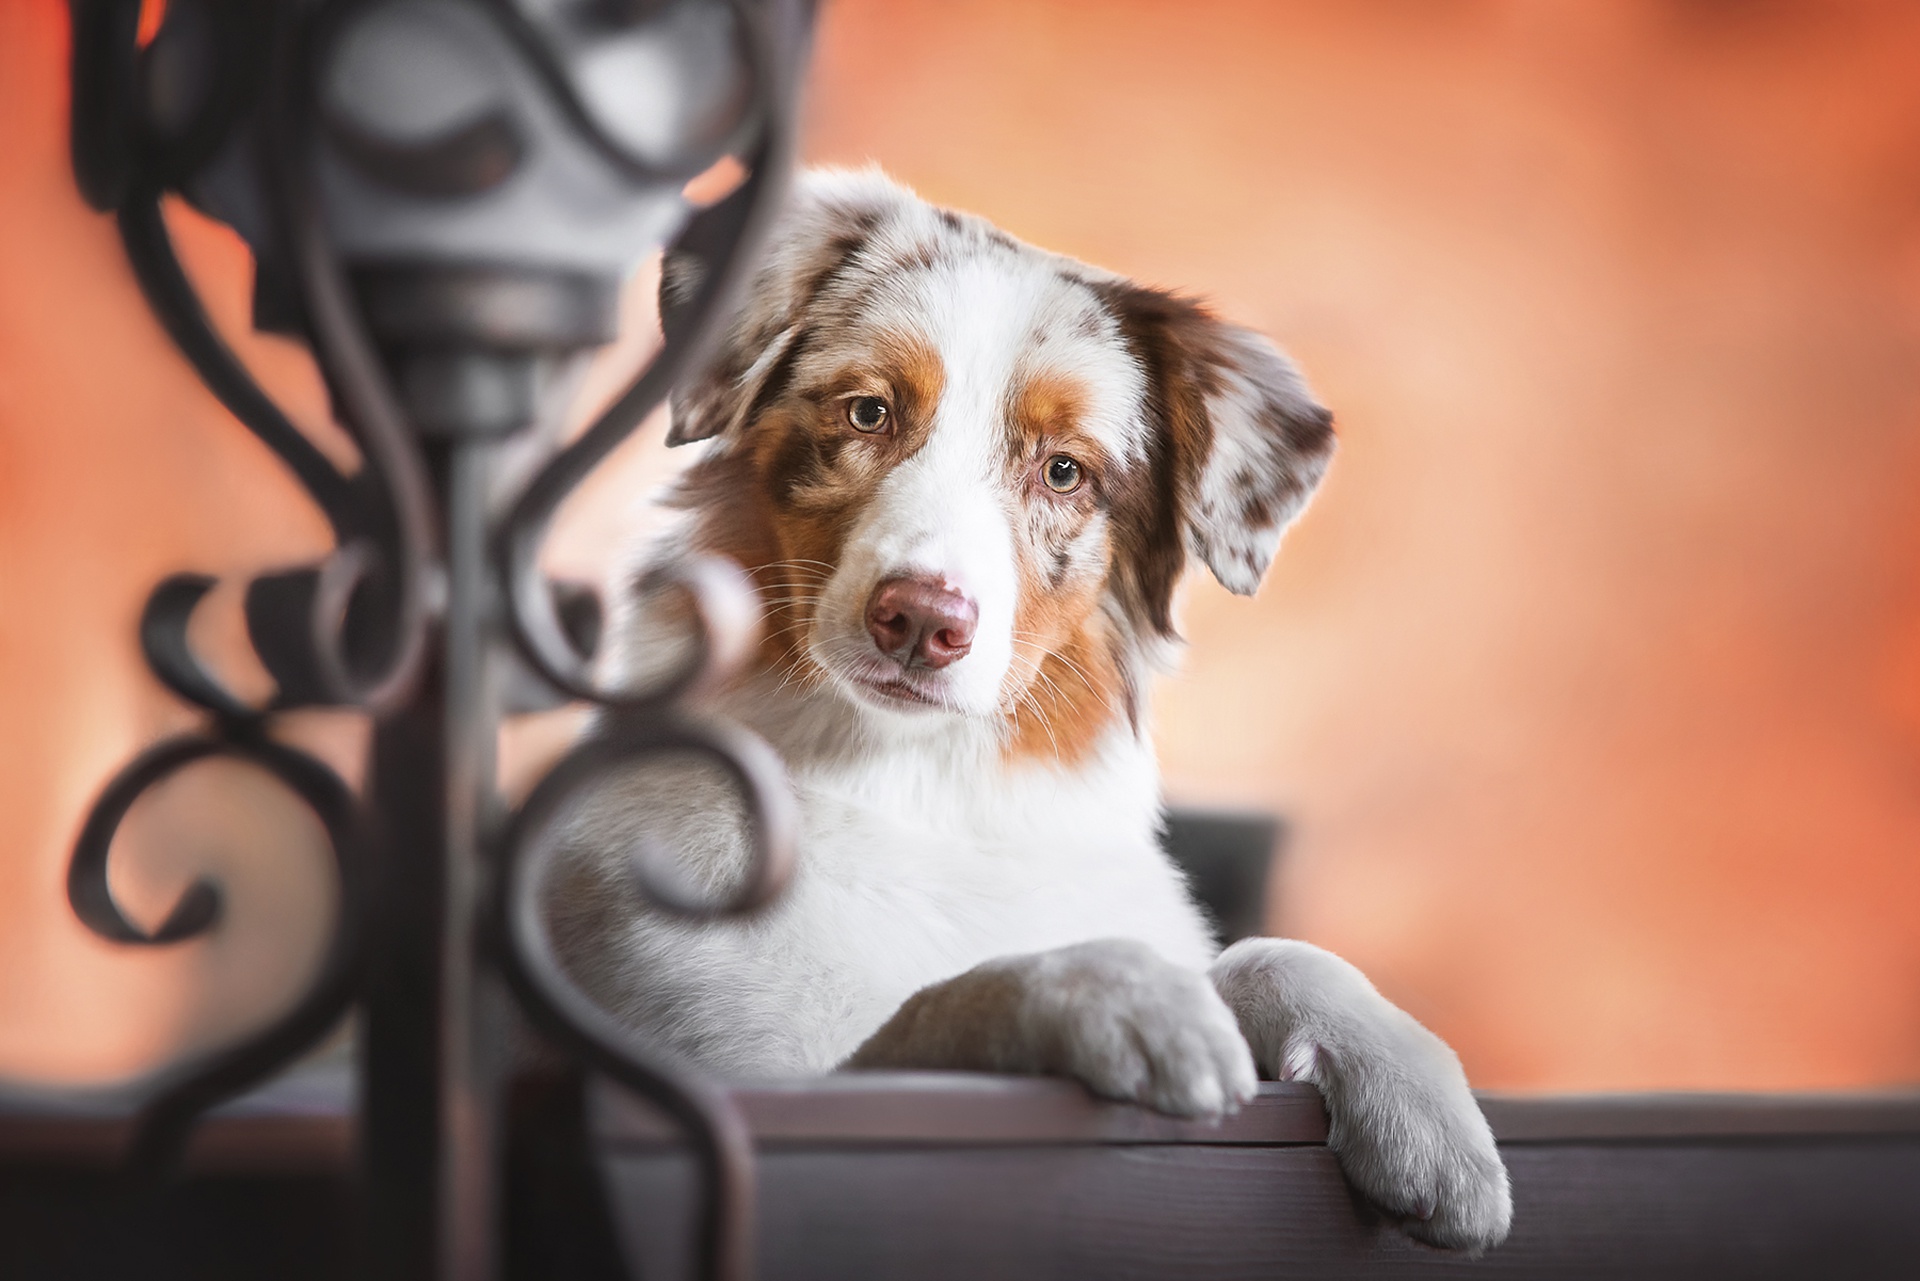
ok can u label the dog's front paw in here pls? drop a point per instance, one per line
(1401, 1118)
(1112, 1014)
(1130, 1025)
(1410, 1136)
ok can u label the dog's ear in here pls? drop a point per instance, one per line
(1239, 443)
(830, 217)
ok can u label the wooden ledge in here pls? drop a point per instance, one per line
(299, 1123)
(305, 1120)
(926, 1176)
(957, 1109)
(864, 1109)
(1703, 1117)
(922, 1177)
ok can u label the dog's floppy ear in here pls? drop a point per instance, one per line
(830, 217)
(1240, 441)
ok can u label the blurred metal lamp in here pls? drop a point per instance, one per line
(444, 199)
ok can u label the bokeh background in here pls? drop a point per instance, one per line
(1591, 683)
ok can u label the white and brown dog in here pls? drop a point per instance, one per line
(965, 476)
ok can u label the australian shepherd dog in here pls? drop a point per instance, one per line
(964, 476)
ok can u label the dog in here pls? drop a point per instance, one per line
(964, 476)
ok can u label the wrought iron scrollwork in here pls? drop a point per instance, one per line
(381, 518)
(716, 237)
(380, 522)
(178, 1095)
(406, 559)
(649, 728)
(645, 724)
(230, 91)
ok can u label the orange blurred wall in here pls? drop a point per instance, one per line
(1591, 684)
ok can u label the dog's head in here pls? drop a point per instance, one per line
(967, 474)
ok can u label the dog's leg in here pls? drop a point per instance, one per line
(1401, 1119)
(1112, 1014)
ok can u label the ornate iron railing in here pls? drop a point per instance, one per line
(391, 164)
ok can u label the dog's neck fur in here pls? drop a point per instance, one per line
(942, 765)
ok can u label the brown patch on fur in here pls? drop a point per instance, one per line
(1048, 407)
(1064, 684)
(921, 255)
(1064, 687)
(1170, 337)
(911, 371)
(732, 521)
(783, 503)
(1073, 695)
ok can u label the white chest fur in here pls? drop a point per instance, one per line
(920, 857)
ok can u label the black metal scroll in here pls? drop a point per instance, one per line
(355, 630)
(647, 725)
(649, 728)
(124, 168)
(723, 237)
(177, 1096)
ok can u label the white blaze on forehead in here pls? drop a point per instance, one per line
(953, 511)
(946, 513)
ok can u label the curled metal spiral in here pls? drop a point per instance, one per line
(177, 1096)
(644, 724)
(722, 239)
(365, 613)
(651, 730)
(124, 166)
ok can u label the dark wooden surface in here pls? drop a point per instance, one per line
(1843, 1209)
(299, 1124)
(60, 1223)
(860, 1109)
(924, 1176)
(937, 1176)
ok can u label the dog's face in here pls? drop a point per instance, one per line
(966, 473)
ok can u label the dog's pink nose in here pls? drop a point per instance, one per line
(921, 622)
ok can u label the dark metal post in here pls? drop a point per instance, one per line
(471, 1036)
(430, 1069)
(400, 1047)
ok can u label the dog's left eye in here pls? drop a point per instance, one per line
(1062, 474)
(868, 414)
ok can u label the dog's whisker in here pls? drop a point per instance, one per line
(1041, 674)
(798, 570)
(1057, 691)
(1045, 724)
(1103, 700)
(798, 561)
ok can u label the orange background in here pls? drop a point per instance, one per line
(1591, 684)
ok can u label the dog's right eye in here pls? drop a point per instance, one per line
(868, 414)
